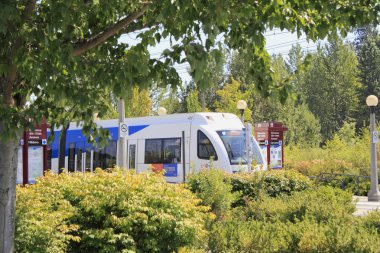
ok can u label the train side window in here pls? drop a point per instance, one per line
(205, 148)
(132, 156)
(110, 153)
(172, 150)
(71, 157)
(153, 151)
(167, 150)
(88, 160)
(96, 162)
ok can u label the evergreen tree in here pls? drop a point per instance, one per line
(332, 86)
(367, 45)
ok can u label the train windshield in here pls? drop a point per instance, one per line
(234, 141)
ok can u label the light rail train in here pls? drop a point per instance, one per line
(177, 143)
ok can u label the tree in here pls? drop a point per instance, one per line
(332, 86)
(138, 103)
(367, 45)
(303, 127)
(228, 98)
(70, 49)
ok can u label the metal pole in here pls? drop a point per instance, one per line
(184, 156)
(121, 159)
(242, 115)
(248, 145)
(373, 194)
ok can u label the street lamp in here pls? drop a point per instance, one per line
(373, 194)
(241, 105)
(161, 111)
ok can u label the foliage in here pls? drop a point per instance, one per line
(192, 101)
(367, 46)
(107, 212)
(303, 127)
(138, 102)
(355, 184)
(304, 236)
(311, 221)
(272, 183)
(372, 220)
(332, 86)
(344, 153)
(228, 97)
(72, 51)
(214, 188)
(221, 190)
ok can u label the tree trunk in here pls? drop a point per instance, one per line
(202, 100)
(8, 171)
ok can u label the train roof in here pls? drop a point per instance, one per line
(197, 118)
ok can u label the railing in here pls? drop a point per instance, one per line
(344, 179)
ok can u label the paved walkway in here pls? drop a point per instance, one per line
(363, 206)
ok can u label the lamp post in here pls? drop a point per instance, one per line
(241, 105)
(161, 111)
(373, 194)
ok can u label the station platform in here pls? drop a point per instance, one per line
(363, 206)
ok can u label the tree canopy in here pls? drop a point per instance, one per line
(69, 52)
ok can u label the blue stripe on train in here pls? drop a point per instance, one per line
(77, 137)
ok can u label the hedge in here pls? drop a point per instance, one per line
(108, 212)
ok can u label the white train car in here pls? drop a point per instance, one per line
(179, 144)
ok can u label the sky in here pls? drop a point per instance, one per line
(277, 42)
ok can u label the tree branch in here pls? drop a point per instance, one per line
(80, 48)
(9, 81)
(29, 7)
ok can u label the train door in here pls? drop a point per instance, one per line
(132, 154)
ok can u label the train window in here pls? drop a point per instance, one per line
(205, 148)
(132, 156)
(172, 150)
(163, 150)
(79, 159)
(96, 163)
(71, 165)
(153, 151)
(88, 160)
(110, 154)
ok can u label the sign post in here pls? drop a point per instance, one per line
(121, 156)
(34, 153)
(270, 136)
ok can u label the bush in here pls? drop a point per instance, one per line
(108, 212)
(272, 183)
(318, 220)
(340, 155)
(302, 236)
(322, 204)
(214, 188)
(346, 182)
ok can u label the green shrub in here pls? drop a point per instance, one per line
(214, 188)
(108, 212)
(318, 220)
(321, 204)
(372, 220)
(272, 183)
(346, 182)
(302, 236)
(340, 155)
